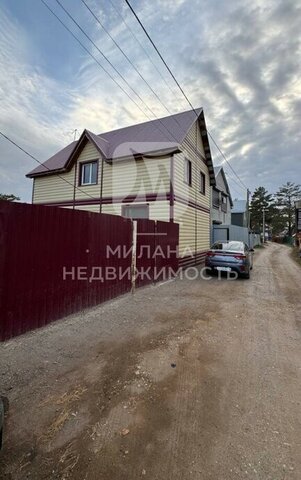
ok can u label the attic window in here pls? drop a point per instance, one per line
(88, 173)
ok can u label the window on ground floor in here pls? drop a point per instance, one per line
(88, 173)
(135, 211)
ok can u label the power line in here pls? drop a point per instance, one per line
(142, 47)
(42, 164)
(225, 158)
(153, 44)
(110, 63)
(231, 179)
(125, 56)
(116, 70)
(104, 69)
(99, 51)
(231, 176)
(131, 63)
(94, 58)
(179, 86)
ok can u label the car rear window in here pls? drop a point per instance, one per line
(232, 246)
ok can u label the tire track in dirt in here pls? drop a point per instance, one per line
(228, 410)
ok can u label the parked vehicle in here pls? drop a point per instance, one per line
(230, 256)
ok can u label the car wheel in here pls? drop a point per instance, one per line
(209, 271)
(246, 275)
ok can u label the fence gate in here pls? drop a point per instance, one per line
(54, 261)
(156, 251)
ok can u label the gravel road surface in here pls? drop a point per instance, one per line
(192, 379)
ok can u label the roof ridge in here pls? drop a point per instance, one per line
(199, 109)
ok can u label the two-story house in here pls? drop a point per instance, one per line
(161, 170)
(221, 200)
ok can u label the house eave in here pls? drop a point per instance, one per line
(153, 154)
(46, 173)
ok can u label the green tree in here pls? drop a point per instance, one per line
(279, 222)
(285, 200)
(261, 199)
(10, 197)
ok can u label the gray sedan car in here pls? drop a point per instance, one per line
(231, 256)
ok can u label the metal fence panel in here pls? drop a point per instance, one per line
(235, 233)
(37, 243)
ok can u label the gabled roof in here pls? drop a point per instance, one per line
(239, 206)
(164, 135)
(220, 171)
(217, 170)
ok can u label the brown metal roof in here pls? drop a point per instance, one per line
(167, 133)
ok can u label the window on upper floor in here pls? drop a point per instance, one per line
(215, 198)
(88, 173)
(202, 183)
(187, 172)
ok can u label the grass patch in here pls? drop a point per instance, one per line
(259, 246)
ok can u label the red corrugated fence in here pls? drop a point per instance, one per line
(56, 261)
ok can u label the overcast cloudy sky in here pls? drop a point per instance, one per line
(239, 60)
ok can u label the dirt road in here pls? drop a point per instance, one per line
(186, 380)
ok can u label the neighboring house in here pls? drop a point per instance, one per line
(221, 201)
(161, 170)
(240, 214)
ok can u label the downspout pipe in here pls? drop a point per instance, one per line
(101, 186)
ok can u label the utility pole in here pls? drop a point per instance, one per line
(248, 218)
(263, 224)
(248, 204)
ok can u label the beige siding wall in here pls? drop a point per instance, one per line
(158, 210)
(130, 177)
(140, 177)
(190, 219)
(122, 178)
(52, 188)
(181, 188)
(194, 229)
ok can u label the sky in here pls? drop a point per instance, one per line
(240, 61)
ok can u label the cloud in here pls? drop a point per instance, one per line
(240, 61)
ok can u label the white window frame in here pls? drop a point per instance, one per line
(82, 170)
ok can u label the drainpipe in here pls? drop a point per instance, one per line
(74, 186)
(171, 189)
(32, 195)
(101, 186)
(195, 194)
